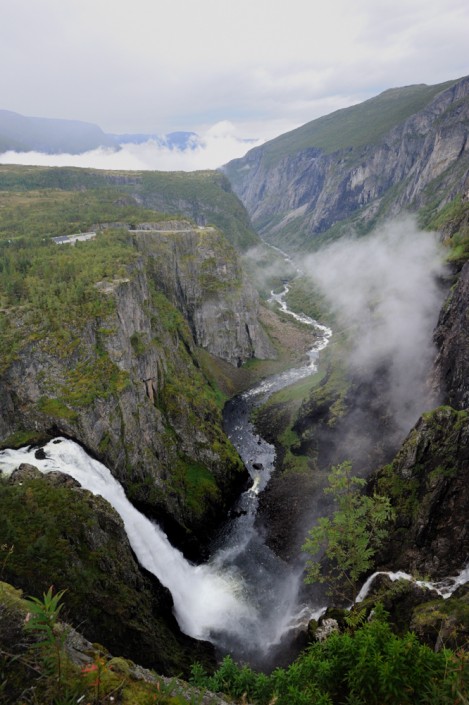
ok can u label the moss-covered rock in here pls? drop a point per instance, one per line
(427, 484)
(79, 670)
(443, 623)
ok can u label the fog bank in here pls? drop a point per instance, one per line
(385, 293)
(216, 146)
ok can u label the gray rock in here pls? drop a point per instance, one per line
(326, 628)
(60, 479)
(295, 196)
(201, 274)
(428, 485)
(24, 473)
(452, 339)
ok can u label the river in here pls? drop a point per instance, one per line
(244, 598)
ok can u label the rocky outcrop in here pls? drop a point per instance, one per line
(79, 657)
(428, 485)
(452, 339)
(200, 274)
(129, 386)
(69, 538)
(293, 192)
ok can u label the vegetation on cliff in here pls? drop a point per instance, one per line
(84, 197)
(365, 662)
(45, 661)
(342, 547)
(352, 127)
(453, 222)
(92, 347)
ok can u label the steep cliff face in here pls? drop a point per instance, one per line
(428, 479)
(201, 275)
(129, 385)
(301, 185)
(452, 339)
(427, 483)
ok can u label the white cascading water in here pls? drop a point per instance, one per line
(444, 587)
(245, 599)
(204, 598)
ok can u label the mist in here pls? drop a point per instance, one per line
(216, 146)
(385, 291)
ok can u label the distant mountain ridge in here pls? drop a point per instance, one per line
(404, 149)
(20, 133)
(25, 134)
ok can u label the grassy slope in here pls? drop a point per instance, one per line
(355, 126)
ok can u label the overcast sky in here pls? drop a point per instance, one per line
(226, 69)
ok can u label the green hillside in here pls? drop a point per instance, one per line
(352, 127)
(204, 196)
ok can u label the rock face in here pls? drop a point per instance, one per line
(452, 339)
(295, 190)
(130, 387)
(428, 479)
(427, 482)
(201, 274)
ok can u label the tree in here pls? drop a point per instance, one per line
(343, 546)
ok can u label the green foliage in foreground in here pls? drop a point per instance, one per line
(373, 666)
(39, 664)
(351, 537)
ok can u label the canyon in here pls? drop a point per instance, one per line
(138, 363)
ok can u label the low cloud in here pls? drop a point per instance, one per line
(385, 292)
(217, 145)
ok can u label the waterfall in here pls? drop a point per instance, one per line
(245, 598)
(204, 598)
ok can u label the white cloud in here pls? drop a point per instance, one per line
(219, 144)
(157, 67)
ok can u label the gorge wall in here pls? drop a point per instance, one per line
(130, 386)
(404, 149)
(428, 478)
